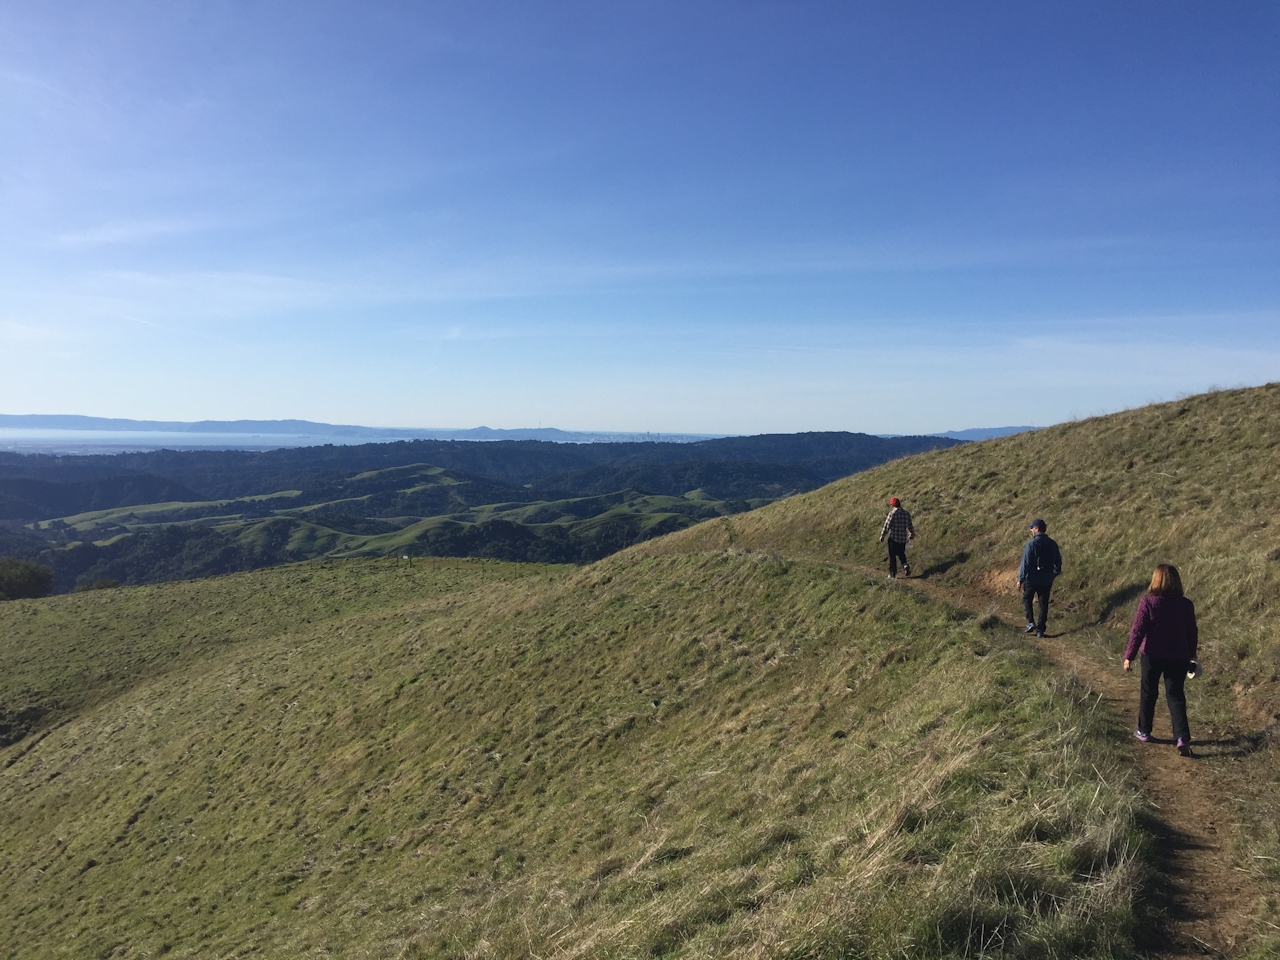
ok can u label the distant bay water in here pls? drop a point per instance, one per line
(129, 441)
(53, 434)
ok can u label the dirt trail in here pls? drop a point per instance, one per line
(1210, 901)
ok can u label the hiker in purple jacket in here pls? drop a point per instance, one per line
(1165, 633)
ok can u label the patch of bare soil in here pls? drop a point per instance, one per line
(1207, 900)
(998, 582)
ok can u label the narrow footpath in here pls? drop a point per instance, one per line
(1211, 900)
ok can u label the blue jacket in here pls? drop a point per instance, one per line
(1041, 561)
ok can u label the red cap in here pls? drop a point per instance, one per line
(894, 501)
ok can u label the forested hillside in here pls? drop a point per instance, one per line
(220, 474)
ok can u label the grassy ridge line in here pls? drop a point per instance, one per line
(1193, 482)
(708, 755)
(583, 513)
(150, 513)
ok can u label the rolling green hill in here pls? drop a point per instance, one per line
(40, 498)
(736, 740)
(416, 510)
(695, 755)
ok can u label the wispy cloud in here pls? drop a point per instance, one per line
(126, 232)
(205, 294)
(13, 332)
(430, 275)
(141, 322)
(13, 80)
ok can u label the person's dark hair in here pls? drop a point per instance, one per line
(1165, 582)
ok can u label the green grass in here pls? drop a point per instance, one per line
(63, 656)
(577, 527)
(150, 514)
(707, 755)
(1194, 483)
(729, 742)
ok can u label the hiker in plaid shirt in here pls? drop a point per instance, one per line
(897, 525)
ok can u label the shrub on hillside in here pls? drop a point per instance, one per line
(23, 580)
(97, 585)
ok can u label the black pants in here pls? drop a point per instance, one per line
(1175, 676)
(897, 551)
(1030, 590)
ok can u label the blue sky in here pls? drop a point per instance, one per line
(732, 217)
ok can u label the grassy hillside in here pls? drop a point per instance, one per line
(1195, 483)
(736, 740)
(715, 754)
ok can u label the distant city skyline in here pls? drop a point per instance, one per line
(720, 218)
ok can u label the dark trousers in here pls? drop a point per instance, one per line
(1030, 590)
(1175, 676)
(897, 551)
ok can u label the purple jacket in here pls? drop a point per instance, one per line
(1164, 628)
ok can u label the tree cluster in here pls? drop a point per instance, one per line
(23, 580)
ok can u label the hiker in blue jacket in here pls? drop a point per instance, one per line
(1041, 562)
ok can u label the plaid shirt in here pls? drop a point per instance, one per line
(898, 525)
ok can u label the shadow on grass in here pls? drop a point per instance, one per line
(1119, 598)
(943, 566)
(1168, 896)
(1244, 744)
(1231, 747)
(17, 724)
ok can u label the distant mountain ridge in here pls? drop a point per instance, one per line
(320, 430)
(973, 434)
(984, 433)
(312, 428)
(237, 473)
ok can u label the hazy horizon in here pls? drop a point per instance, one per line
(55, 433)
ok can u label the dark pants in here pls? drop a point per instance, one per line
(1030, 590)
(897, 551)
(1175, 676)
